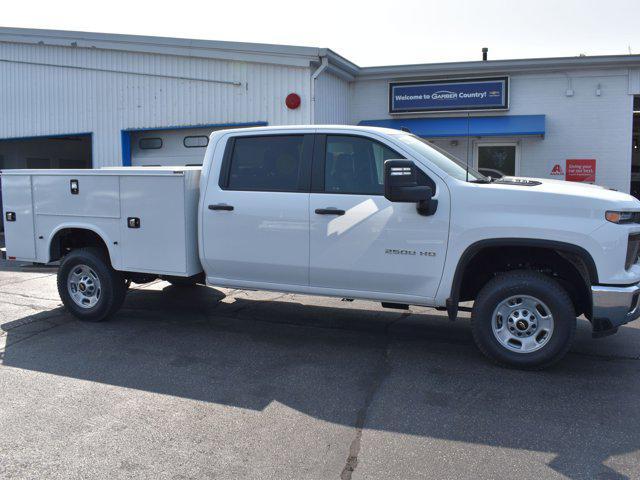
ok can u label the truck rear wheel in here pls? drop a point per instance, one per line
(523, 319)
(88, 286)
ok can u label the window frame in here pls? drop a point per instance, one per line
(304, 174)
(320, 160)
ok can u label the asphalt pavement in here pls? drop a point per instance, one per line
(218, 383)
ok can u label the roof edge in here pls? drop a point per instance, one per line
(502, 66)
(257, 52)
(299, 55)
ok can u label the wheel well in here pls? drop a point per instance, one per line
(567, 267)
(69, 239)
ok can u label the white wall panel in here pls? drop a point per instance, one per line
(333, 98)
(45, 100)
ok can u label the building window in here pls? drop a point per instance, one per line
(150, 143)
(497, 159)
(196, 141)
(38, 163)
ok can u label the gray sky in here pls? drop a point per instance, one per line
(366, 32)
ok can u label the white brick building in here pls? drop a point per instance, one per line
(73, 99)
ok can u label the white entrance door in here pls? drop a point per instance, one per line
(497, 159)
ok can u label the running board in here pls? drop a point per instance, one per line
(399, 306)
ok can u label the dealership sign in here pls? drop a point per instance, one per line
(452, 95)
(581, 170)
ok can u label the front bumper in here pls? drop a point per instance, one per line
(614, 306)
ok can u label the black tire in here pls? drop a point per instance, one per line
(112, 284)
(532, 284)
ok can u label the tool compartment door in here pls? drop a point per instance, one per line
(19, 233)
(157, 244)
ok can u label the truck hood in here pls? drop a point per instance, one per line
(572, 190)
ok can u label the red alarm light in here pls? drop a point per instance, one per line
(292, 101)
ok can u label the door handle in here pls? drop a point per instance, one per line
(329, 211)
(221, 206)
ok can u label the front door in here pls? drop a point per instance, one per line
(359, 240)
(497, 159)
(256, 216)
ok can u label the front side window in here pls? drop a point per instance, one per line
(355, 165)
(266, 163)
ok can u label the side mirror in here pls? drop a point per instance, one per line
(401, 185)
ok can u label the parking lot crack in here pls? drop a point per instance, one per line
(381, 371)
(22, 295)
(37, 308)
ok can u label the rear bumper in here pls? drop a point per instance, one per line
(614, 306)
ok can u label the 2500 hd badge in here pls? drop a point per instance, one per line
(393, 251)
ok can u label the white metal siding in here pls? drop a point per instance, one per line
(44, 100)
(332, 100)
(582, 126)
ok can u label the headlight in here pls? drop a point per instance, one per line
(622, 217)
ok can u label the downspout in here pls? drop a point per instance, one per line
(324, 63)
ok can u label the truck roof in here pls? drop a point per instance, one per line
(351, 128)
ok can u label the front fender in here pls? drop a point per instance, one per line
(448, 293)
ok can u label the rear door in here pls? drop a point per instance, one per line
(255, 220)
(359, 240)
(18, 215)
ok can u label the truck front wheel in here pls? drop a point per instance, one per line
(523, 319)
(88, 286)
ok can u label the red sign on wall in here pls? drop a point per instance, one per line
(557, 170)
(581, 170)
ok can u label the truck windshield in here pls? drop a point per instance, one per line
(444, 160)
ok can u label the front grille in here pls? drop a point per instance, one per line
(633, 248)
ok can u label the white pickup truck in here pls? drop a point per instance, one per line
(348, 212)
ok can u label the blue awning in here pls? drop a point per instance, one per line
(495, 126)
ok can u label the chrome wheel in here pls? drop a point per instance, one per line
(522, 323)
(84, 287)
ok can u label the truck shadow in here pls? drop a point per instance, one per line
(416, 374)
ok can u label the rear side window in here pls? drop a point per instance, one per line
(267, 163)
(355, 165)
